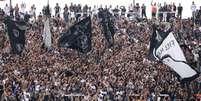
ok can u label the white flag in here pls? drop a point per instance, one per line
(47, 34)
(170, 53)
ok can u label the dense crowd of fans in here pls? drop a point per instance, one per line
(120, 73)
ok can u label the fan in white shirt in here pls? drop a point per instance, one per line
(193, 9)
(7, 10)
(23, 7)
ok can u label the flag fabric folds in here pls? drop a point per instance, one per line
(164, 47)
(46, 33)
(16, 33)
(78, 36)
(107, 25)
(47, 40)
(152, 44)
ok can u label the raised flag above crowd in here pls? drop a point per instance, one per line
(76, 64)
(78, 36)
(164, 47)
(16, 33)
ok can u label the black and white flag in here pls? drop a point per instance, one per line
(166, 49)
(16, 33)
(78, 36)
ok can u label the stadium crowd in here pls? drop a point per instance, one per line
(120, 73)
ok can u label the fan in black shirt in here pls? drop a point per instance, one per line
(27, 17)
(57, 10)
(174, 9)
(180, 9)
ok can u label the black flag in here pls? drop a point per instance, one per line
(155, 39)
(16, 33)
(108, 26)
(152, 44)
(78, 36)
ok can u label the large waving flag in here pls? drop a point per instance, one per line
(16, 33)
(78, 36)
(166, 49)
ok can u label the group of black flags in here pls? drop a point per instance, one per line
(77, 37)
(163, 45)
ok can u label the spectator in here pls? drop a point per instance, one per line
(57, 10)
(7, 10)
(137, 7)
(27, 17)
(123, 11)
(33, 11)
(193, 9)
(12, 11)
(174, 9)
(23, 7)
(198, 18)
(143, 11)
(66, 13)
(17, 10)
(179, 11)
(154, 10)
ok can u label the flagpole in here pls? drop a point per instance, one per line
(10, 3)
(10, 6)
